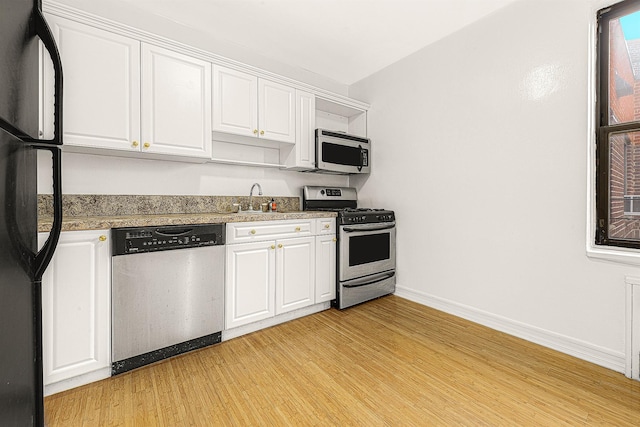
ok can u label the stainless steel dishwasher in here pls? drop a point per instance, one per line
(167, 292)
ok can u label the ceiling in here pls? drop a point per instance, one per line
(344, 40)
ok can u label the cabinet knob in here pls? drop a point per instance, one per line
(261, 132)
(253, 231)
(102, 238)
(327, 225)
(255, 131)
(146, 145)
(334, 239)
(273, 246)
(135, 144)
(280, 245)
(297, 228)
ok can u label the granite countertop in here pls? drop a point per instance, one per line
(75, 223)
(102, 212)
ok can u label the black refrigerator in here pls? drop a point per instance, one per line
(21, 264)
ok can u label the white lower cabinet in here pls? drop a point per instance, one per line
(76, 310)
(249, 283)
(325, 268)
(295, 273)
(272, 269)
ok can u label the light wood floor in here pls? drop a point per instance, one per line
(388, 362)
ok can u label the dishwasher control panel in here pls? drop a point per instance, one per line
(133, 240)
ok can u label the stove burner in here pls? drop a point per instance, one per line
(344, 203)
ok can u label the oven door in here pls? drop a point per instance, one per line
(366, 249)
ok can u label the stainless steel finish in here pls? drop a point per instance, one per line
(365, 288)
(372, 274)
(347, 272)
(316, 193)
(363, 144)
(166, 297)
(251, 195)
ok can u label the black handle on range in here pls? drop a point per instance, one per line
(366, 282)
(368, 228)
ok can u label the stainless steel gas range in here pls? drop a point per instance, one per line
(366, 255)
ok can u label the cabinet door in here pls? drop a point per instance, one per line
(295, 273)
(325, 268)
(276, 111)
(76, 313)
(176, 103)
(235, 102)
(101, 87)
(305, 130)
(249, 283)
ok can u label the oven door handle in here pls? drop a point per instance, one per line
(373, 227)
(368, 280)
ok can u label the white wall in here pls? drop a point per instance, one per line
(480, 146)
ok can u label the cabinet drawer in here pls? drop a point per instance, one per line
(242, 232)
(325, 226)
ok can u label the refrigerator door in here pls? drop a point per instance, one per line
(19, 401)
(21, 268)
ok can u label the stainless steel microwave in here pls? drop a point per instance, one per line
(340, 153)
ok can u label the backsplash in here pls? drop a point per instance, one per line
(116, 205)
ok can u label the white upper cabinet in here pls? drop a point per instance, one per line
(124, 95)
(176, 103)
(131, 93)
(302, 156)
(101, 86)
(246, 105)
(235, 101)
(276, 111)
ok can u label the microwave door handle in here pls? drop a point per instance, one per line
(361, 158)
(369, 280)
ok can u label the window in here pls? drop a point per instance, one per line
(618, 126)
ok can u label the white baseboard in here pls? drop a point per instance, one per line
(272, 321)
(564, 344)
(74, 382)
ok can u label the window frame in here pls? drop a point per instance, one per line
(604, 129)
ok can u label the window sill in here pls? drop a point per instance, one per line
(614, 254)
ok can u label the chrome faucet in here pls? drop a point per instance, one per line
(251, 194)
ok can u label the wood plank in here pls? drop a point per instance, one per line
(386, 362)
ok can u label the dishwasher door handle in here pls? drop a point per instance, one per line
(173, 231)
